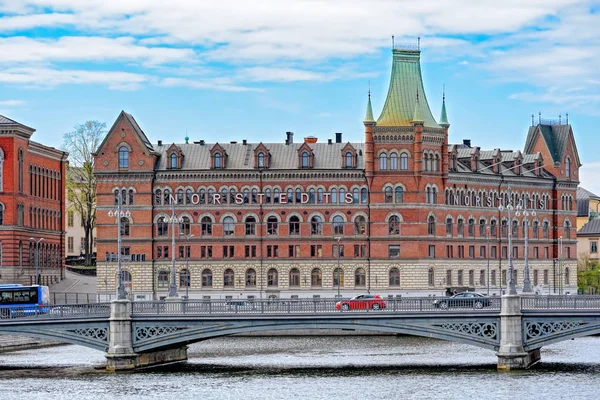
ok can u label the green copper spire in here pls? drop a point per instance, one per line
(417, 118)
(406, 81)
(369, 115)
(443, 117)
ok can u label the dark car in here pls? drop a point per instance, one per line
(361, 302)
(463, 300)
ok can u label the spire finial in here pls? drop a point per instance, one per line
(443, 116)
(392, 42)
(567, 118)
(419, 42)
(369, 120)
(532, 123)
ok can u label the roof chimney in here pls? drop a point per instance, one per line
(329, 141)
(338, 137)
(467, 142)
(244, 142)
(289, 137)
(201, 142)
(160, 142)
(311, 139)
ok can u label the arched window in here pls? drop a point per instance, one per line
(228, 226)
(471, 227)
(383, 161)
(320, 196)
(173, 160)
(305, 159)
(567, 230)
(360, 225)
(393, 161)
(460, 227)
(188, 196)
(430, 277)
(180, 196)
(294, 225)
(567, 279)
(568, 167)
(123, 157)
(425, 162)
(493, 228)
(1, 170)
(184, 227)
(163, 279)
(394, 277)
(355, 196)
(348, 160)
(250, 278)
(206, 226)
(338, 225)
(261, 160)
(124, 226)
(449, 226)
(338, 277)
(311, 196)
(21, 171)
(162, 227)
(184, 278)
(515, 229)
(428, 195)
(536, 229)
(272, 225)
(334, 196)
(167, 196)
(316, 278)
(272, 277)
(433, 195)
(546, 229)
(217, 160)
(157, 197)
(131, 196)
(250, 226)
(504, 228)
(294, 277)
(228, 278)
(394, 225)
(207, 278)
(399, 195)
(360, 278)
(403, 161)
(363, 195)
(431, 225)
(316, 226)
(388, 194)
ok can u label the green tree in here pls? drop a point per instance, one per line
(81, 183)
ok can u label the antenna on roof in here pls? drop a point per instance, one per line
(567, 118)
(392, 42)
(539, 117)
(559, 119)
(418, 42)
(532, 123)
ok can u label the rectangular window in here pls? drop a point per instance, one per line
(432, 251)
(459, 277)
(493, 278)
(449, 251)
(70, 218)
(535, 277)
(515, 252)
(448, 277)
(158, 251)
(471, 251)
(166, 251)
(482, 277)
(536, 252)
(316, 250)
(273, 250)
(568, 253)
(504, 252)
(205, 251)
(228, 251)
(461, 251)
(471, 277)
(546, 252)
(250, 251)
(594, 247)
(394, 250)
(545, 277)
(360, 250)
(294, 250)
(338, 250)
(494, 253)
(70, 244)
(504, 278)
(482, 251)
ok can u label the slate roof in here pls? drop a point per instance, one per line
(555, 136)
(241, 156)
(139, 131)
(583, 201)
(406, 81)
(6, 121)
(592, 228)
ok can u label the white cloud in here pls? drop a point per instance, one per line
(216, 84)
(11, 103)
(46, 78)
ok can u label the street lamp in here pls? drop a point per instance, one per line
(487, 253)
(37, 259)
(512, 289)
(187, 268)
(173, 220)
(119, 213)
(560, 265)
(339, 272)
(523, 209)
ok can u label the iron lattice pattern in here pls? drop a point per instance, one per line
(538, 329)
(487, 330)
(99, 334)
(147, 332)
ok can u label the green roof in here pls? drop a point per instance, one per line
(369, 114)
(406, 81)
(443, 117)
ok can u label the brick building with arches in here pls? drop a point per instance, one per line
(32, 205)
(404, 212)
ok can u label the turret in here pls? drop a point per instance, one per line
(369, 123)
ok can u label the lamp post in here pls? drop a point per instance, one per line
(173, 220)
(187, 267)
(487, 253)
(526, 212)
(119, 213)
(339, 282)
(560, 269)
(512, 289)
(37, 259)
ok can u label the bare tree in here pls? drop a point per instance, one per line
(81, 183)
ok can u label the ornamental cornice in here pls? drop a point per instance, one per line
(480, 179)
(120, 177)
(255, 177)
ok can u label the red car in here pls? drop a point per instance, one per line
(361, 302)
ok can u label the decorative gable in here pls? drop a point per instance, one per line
(518, 163)
(497, 161)
(262, 157)
(306, 156)
(475, 157)
(174, 157)
(349, 157)
(218, 157)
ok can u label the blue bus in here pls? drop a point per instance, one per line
(17, 300)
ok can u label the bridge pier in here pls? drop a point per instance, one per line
(512, 355)
(121, 355)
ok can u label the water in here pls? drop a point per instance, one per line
(326, 367)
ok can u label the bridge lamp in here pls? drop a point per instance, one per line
(119, 213)
(512, 289)
(523, 210)
(37, 259)
(174, 220)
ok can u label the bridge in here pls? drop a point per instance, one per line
(138, 334)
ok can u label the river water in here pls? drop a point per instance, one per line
(322, 367)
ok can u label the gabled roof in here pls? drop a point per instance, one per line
(140, 134)
(556, 138)
(583, 194)
(592, 228)
(583, 201)
(406, 81)
(4, 121)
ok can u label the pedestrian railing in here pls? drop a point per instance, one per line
(53, 311)
(560, 303)
(73, 298)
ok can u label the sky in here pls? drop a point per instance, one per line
(232, 69)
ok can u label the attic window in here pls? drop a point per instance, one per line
(123, 157)
(173, 162)
(261, 160)
(349, 160)
(218, 161)
(305, 159)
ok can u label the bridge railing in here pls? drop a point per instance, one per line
(532, 303)
(313, 306)
(57, 311)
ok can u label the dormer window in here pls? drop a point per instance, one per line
(305, 159)
(218, 161)
(261, 160)
(348, 160)
(174, 157)
(349, 157)
(173, 160)
(262, 157)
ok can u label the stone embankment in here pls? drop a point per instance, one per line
(15, 343)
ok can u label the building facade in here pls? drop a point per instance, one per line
(75, 231)
(32, 205)
(402, 213)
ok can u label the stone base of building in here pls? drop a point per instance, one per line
(130, 362)
(517, 361)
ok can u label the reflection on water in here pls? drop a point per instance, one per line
(332, 367)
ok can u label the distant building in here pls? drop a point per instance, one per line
(401, 212)
(75, 234)
(588, 225)
(588, 206)
(32, 206)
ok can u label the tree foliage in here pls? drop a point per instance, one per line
(588, 274)
(81, 183)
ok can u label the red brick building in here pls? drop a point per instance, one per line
(405, 212)
(32, 205)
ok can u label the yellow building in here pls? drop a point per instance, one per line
(588, 205)
(588, 226)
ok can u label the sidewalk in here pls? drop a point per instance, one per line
(75, 283)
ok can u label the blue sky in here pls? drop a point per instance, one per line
(233, 70)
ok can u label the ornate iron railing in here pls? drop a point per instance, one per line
(57, 311)
(560, 303)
